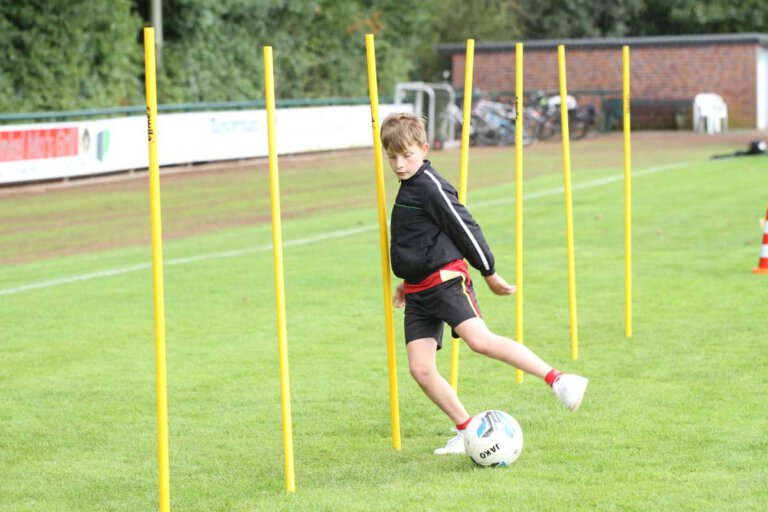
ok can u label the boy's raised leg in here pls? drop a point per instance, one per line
(568, 388)
(481, 340)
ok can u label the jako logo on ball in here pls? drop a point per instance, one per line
(493, 438)
(486, 453)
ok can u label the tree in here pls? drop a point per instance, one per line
(615, 18)
(213, 48)
(668, 17)
(66, 54)
(558, 19)
(455, 21)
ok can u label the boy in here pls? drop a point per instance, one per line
(432, 234)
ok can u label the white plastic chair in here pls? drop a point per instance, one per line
(710, 113)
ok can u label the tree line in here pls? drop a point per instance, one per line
(73, 54)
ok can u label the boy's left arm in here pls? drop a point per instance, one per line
(455, 220)
(499, 286)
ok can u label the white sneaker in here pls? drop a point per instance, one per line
(454, 447)
(570, 389)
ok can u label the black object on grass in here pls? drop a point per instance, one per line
(756, 147)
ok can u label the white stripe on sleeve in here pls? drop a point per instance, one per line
(461, 222)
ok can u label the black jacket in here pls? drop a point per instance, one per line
(431, 228)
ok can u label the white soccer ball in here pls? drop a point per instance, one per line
(493, 438)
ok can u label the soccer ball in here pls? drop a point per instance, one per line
(493, 438)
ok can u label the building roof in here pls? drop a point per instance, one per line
(612, 42)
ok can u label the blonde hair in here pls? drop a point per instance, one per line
(400, 130)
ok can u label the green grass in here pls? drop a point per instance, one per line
(674, 419)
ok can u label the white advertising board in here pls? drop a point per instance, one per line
(43, 151)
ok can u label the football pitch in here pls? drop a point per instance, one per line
(675, 418)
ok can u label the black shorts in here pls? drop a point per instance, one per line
(451, 302)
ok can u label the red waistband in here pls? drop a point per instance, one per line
(449, 271)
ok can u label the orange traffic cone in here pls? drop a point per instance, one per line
(762, 267)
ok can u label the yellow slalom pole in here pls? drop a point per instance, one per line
(277, 244)
(463, 171)
(157, 271)
(394, 407)
(568, 201)
(519, 199)
(627, 196)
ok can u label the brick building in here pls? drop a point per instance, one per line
(665, 70)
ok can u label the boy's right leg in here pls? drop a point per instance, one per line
(423, 366)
